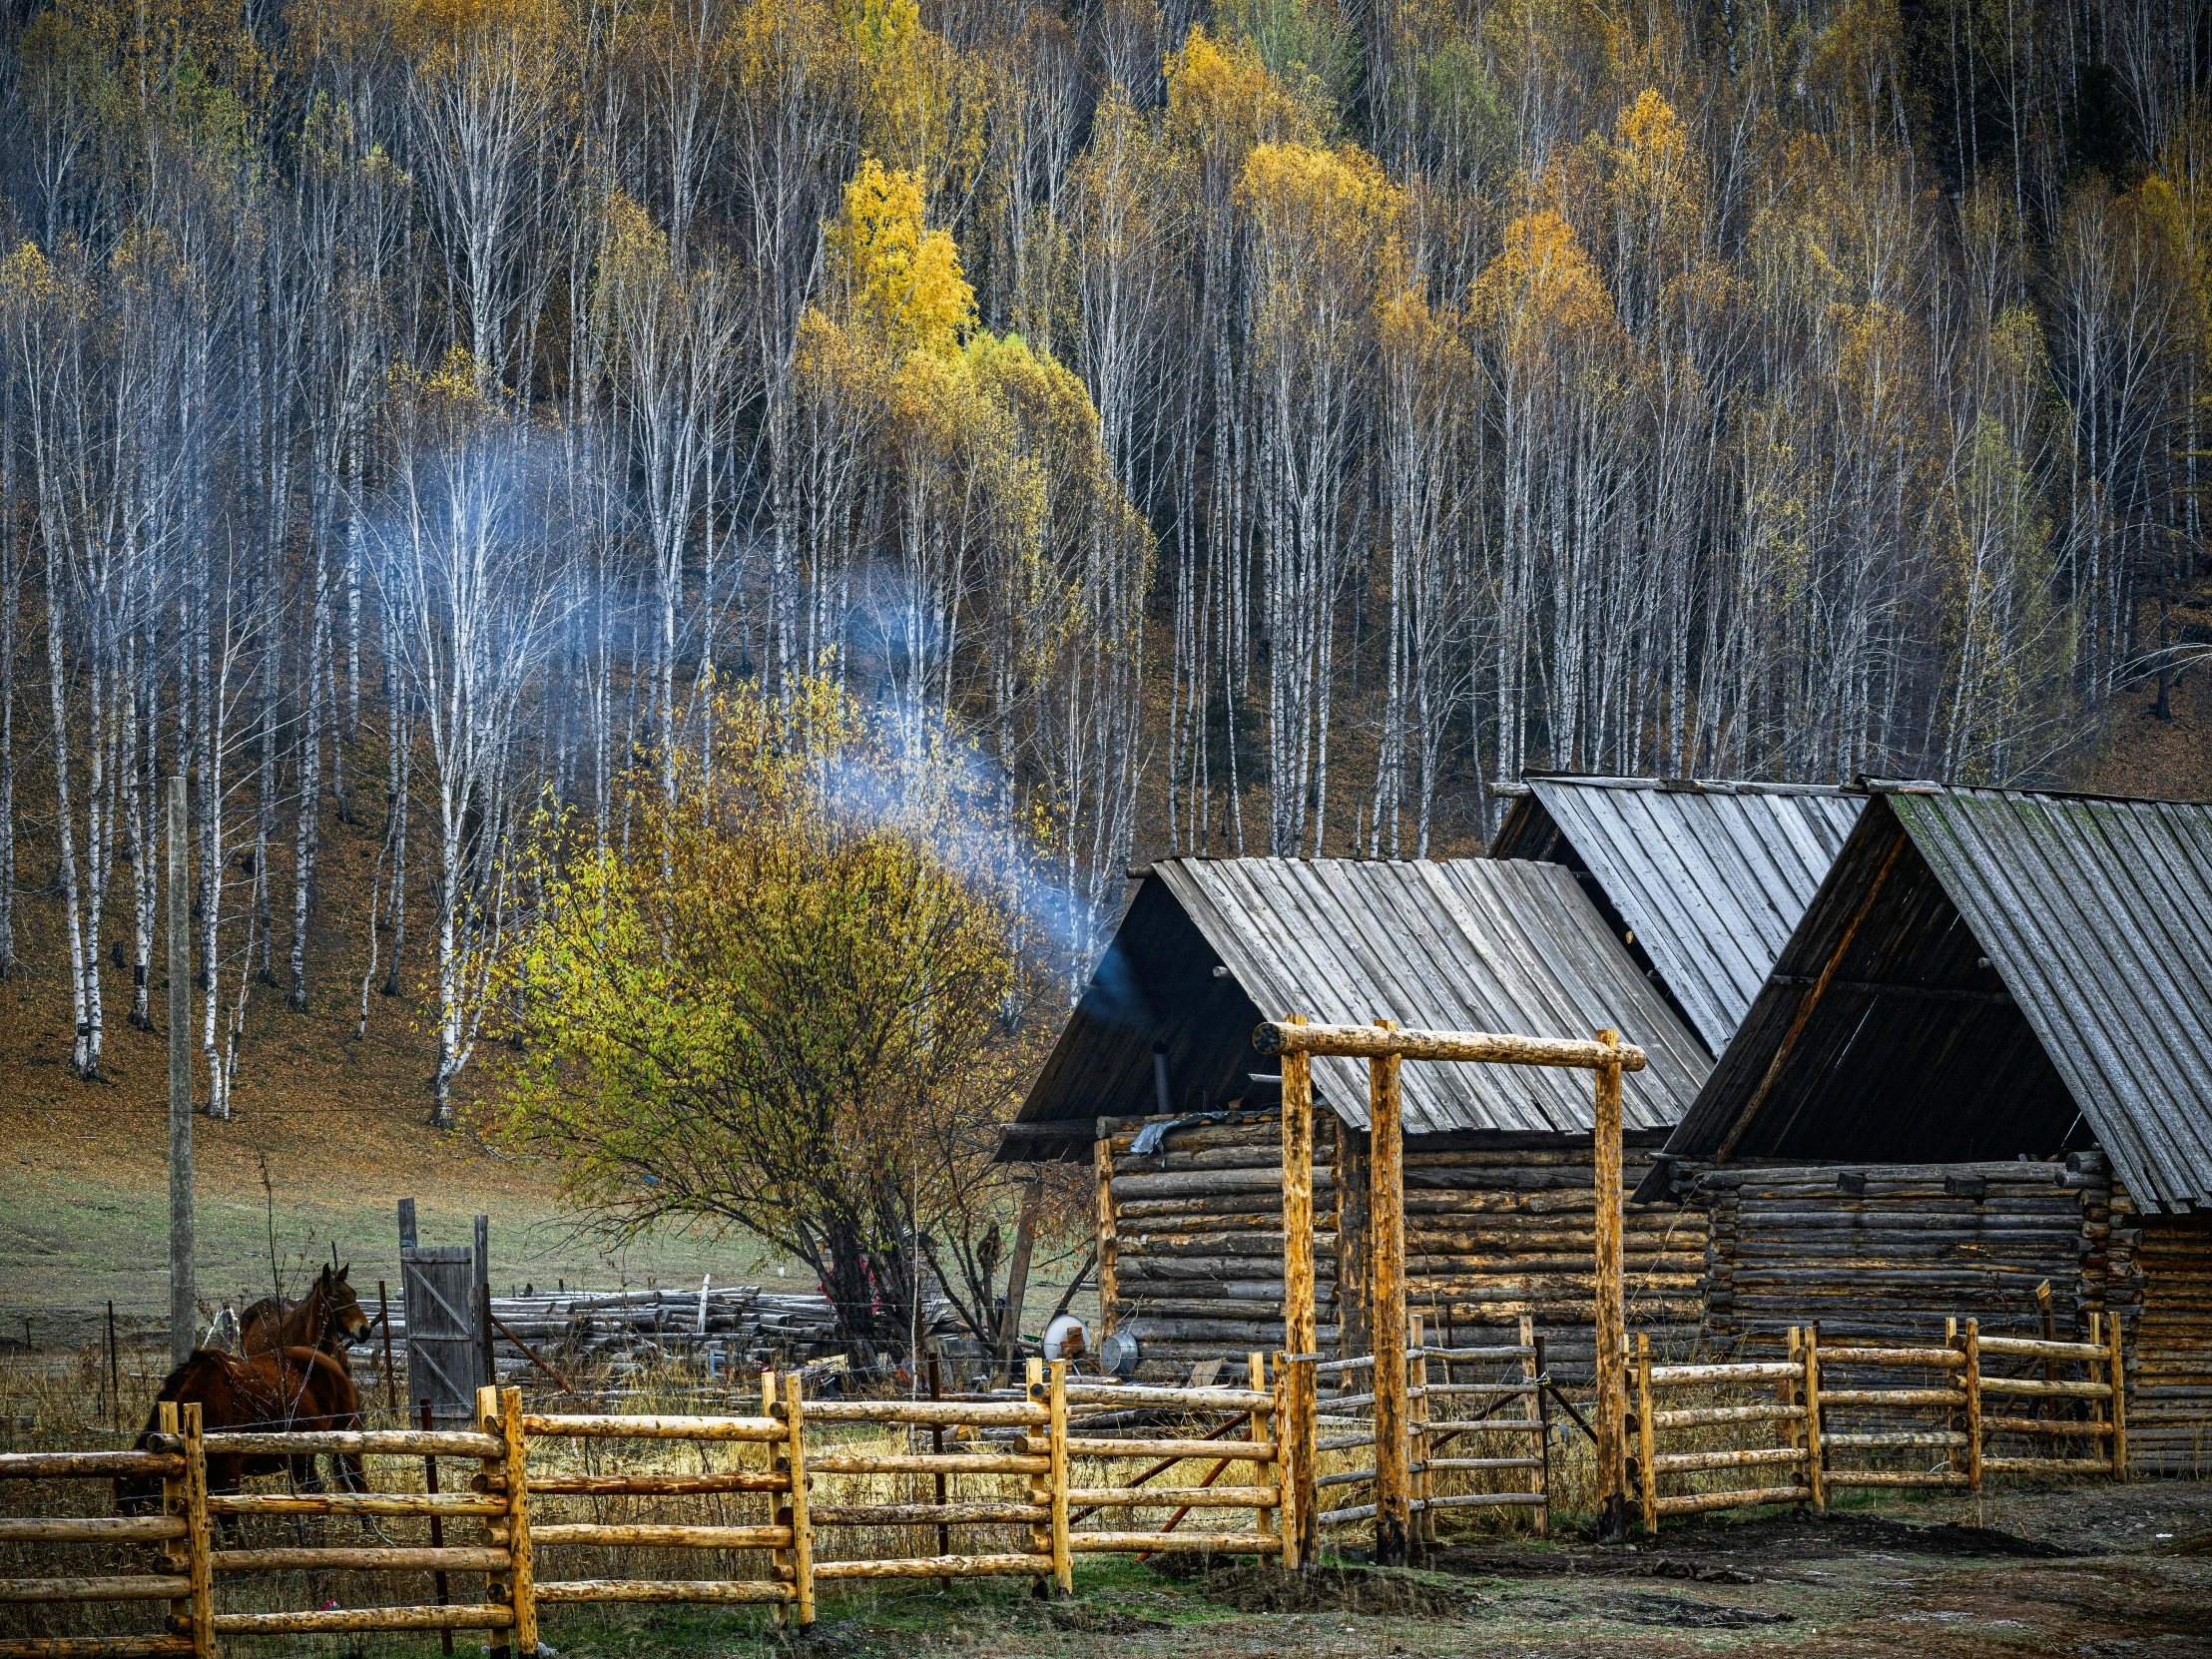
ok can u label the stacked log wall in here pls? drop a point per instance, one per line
(2168, 1263)
(1505, 1227)
(1493, 1232)
(1888, 1252)
(1198, 1234)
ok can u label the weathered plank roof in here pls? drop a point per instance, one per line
(1710, 878)
(1987, 973)
(1470, 944)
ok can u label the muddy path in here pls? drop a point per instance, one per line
(2113, 1572)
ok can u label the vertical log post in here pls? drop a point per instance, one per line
(1294, 1427)
(499, 1583)
(2115, 1370)
(1973, 1406)
(438, 1582)
(522, 1580)
(1420, 1448)
(391, 1386)
(1387, 1225)
(1109, 1240)
(176, 1506)
(1815, 1456)
(1610, 1313)
(1017, 1279)
(779, 1514)
(183, 1293)
(1063, 1564)
(1256, 1379)
(1355, 1175)
(1647, 1454)
(1957, 1462)
(936, 1447)
(1300, 1330)
(198, 1538)
(803, 1526)
(1533, 1410)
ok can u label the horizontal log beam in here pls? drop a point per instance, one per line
(928, 1514)
(92, 1529)
(353, 1503)
(570, 1590)
(403, 1441)
(659, 1427)
(1190, 1498)
(451, 1558)
(476, 1616)
(938, 1566)
(639, 1536)
(1698, 1503)
(1372, 1042)
(658, 1485)
(923, 1462)
(95, 1647)
(88, 1465)
(1212, 1543)
(127, 1587)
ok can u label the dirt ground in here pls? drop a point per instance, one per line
(2107, 1571)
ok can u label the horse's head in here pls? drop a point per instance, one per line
(342, 1314)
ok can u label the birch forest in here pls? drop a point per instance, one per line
(1252, 427)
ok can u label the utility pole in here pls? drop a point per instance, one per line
(184, 1315)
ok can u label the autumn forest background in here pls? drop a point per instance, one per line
(1261, 427)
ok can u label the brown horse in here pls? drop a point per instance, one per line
(298, 1390)
(330, 1317)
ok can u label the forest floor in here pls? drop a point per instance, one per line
(2109, 1572)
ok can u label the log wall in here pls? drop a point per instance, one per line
(1884, 1254)
(2169, 1425)
(1493, 1231)
(1198, 1240)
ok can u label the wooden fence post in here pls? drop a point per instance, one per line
(498, 1582)
(1109, 1240)
(1263, 1424)
(1610, 1314)
(522, 1579)
(1293, 1480)
(176, 1505)
(1386, 1281)
(1063, 1565)
(1300, 1328)
(1533, 1410)
(197, 1539)
(2115, 1374)
(1814, 1475)
(1040, 1485)
(1973, 1406)
(779, 1514)
(1418, 1447)
(1646, 1436)
(803, 1526)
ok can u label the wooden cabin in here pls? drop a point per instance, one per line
(1154, 1078)
(1980, 1065)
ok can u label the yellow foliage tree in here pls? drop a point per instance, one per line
(903, 279)
(783, 1009)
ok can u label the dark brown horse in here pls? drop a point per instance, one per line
(330, 1317)
(296, 1390)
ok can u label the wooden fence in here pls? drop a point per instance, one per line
(1442, 1408)
(1821, 1417)
(1931, 1430)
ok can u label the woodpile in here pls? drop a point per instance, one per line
(749, 1326)
(2170, 1347)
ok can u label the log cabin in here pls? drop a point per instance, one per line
(1154, 1079)
(1979, 1066)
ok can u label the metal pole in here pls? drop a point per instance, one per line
(184, 1309)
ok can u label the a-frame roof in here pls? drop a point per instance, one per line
(1987, 973)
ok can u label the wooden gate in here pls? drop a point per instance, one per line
(445, 1346)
